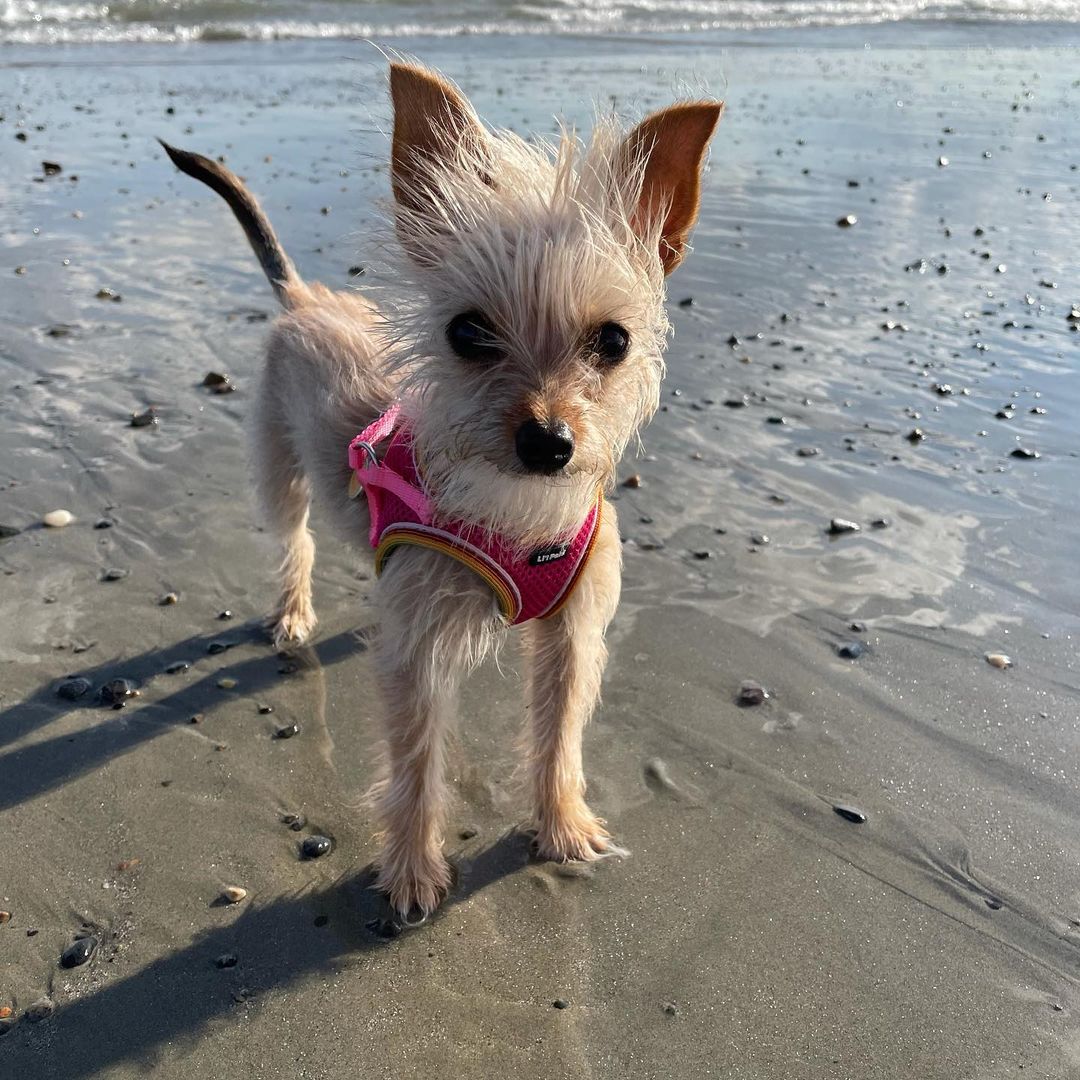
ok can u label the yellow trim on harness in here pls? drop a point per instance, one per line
(400, 535)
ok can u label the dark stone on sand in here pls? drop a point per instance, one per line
(993, 903)
(20, 136)
(560, 1003)
(943, 389)
(703, 554)
(177, 667)
(287, 732)
(168, 599)
(42, 1009)
(214, 378)
(847, 221)
(73, 689)
(78, 952)
(226, 960)
(737, 403)
(849, 813)
(850, 650)
(840, 526)
(314, 847)
(751, 693)
(686, 301)
(1024, 452)
(218, 646)
(776, 419)
(103, 523)
(758, 539)
(355, 271)
(114, 573)
(808, 451)
(632, 481)
(880, 523)
(59, 330)
(1005, 413)
(468, 832)
(669, 1006)
(1035, 410)
(916, 435)
(116, 692)
(52, 168)
(265, 710)
(225, 615)
(105, 293)
(145, 419)
(295, 821)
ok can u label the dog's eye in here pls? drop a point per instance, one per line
(611, 343)
(472, 337)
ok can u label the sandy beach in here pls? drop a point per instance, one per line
(914, 372)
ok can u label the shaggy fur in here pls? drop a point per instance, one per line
(549, 242)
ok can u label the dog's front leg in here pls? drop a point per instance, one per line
(436, 620)
(567, 663)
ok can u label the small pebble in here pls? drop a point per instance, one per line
(1023, 452)
(847, 221)
(227, 683)
(468, 832)
(315, 847)
(196, 718)
(686, 301)
(105, 293)
(145, 419)
(78, 952)
(73, 689)
(233, 893)
(287, 732)
(808, 451)
(916, 435)
(751, 693)
(168, 599)
(879, 523)
(850, 650)
(216, 647)
(5, 917)
(849, 813)
(226, 614)
(114, 573)
(116, 692)
(561, 1003)
(5, 1012)
(670, 1009)
(839, 526)
(295, 821)
(703, 554)
(760, 539)
(177, 667)
(633, 481)
(57, 519)
(265, 710)
(998, 660)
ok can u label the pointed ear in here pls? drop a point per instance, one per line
(432, 122)
(671, 145)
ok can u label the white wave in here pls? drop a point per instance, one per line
(37, 22)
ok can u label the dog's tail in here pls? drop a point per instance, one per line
(276, 264)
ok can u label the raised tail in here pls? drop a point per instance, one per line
(276, 264)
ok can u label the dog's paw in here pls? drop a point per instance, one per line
(415, 886)
(577, 837)
(294, 624)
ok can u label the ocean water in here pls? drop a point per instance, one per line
(62, 22)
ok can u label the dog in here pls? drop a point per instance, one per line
(520, 355)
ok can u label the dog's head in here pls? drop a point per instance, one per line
(534, 349)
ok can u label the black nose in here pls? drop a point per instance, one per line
(544, 448)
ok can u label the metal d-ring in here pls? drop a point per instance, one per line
(369, 450)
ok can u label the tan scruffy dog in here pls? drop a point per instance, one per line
(524, 351)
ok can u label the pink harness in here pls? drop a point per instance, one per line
(530, 585)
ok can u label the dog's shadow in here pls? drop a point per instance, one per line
(268, 947)
(47, 763)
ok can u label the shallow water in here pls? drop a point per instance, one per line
(939, 939)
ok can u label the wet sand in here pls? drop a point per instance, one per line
(754, 932)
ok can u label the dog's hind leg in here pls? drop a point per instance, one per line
(285, 500)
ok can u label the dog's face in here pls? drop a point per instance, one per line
(535, 351)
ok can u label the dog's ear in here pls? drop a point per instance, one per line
(669, 147)
(434, 126)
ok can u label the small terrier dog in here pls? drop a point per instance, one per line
(522, 354)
